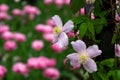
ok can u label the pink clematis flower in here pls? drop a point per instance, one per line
(60, 31)
(117, 50)
(84, 56)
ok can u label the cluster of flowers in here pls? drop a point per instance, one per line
(32, 11)
(58, 3)
(41, 63)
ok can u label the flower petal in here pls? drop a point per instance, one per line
(57, 21)
(93, 51)
(68, 27)
(55, 39)
(117, 50)
(73, 59)
(63, 40)
(90, 65)
(78, 46)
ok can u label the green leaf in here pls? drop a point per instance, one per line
(108, 62)
(90, 27)
(103, 76)
(76, 4)
(95, 76)
(83, 29)
(114, 38)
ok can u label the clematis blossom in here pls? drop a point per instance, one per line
(60, 31)
(117, 50)
(84, 56)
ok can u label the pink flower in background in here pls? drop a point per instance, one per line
(117, 50)
(3, 71)
(48, 29)
(33, 63)
(4, 16)
(56, 48)
(67, 2)
(47, 2)
(82, 11)
(37, 63)
(20, 68)
(4, 28)
(10, 45)
(59, 3)
(84, 56)
(50, 22)
(60, 31)
(51, 63)
(51, 73)
(39, 28)
(48, 37)
(3, 8)
(37, 45)
(7, 35)
(92, 16)
(17, 12)
(19, 37)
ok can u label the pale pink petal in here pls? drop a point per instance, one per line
(57, 21)
(93, 51)
(73, 59)
(117, 50)
(68, 27)
(63, 40)
(55, 39)
(78, 46)
(90, 65)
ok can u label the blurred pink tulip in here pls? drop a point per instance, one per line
(67, 2)
(39, 28)
(17, 12)
(51, 73)
(19, 37)
(52, 63)
(20, 68)
(47, 2)
(10, 45)
(3, 71)
(37, 45)
(4, 16)
(59, 3)
(4, 8)
(71, 34)
(48, 29)
(4, 28)
(48, 37)
(50, 22)
(7, 35)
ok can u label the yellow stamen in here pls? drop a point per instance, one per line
(57, 30)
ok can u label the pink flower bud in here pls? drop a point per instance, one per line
(92, 16)
(17, 12)
(47, 2)
(39, 28)
(3, 71)
(48, 37)
(10, 45)
(48, 29)
(82, 11)
(50, 22)
(37, 45)
(4, 8)
(51, 73)
(56, 48)
(7, 35)
(19, 37)
(67, 2)
(71, 34)
(20, 68)
(4, 28)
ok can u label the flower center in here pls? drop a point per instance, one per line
(57, 30)
(83, 57)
